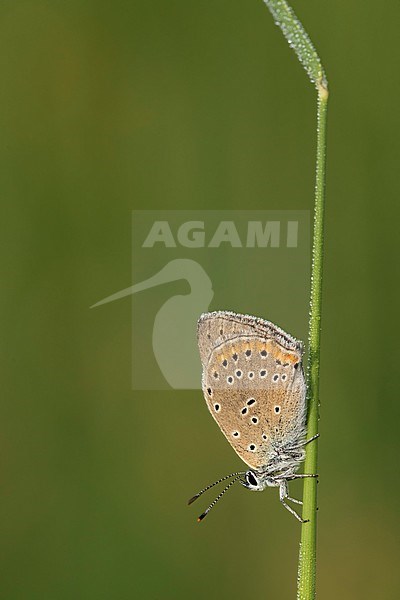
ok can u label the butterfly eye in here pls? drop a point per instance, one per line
(251, 479)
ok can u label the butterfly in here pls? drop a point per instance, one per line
(254, 386)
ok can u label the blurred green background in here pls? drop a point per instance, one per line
(107, 107)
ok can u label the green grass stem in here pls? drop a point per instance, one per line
(300, 42)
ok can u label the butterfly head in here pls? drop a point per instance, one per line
(256, 481)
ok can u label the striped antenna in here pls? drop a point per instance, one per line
(205, 513)
(212, 485)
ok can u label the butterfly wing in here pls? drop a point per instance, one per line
(253, 383)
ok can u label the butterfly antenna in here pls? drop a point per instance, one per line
(230, 484)
(212, 485)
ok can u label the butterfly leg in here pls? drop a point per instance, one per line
(301, 476)
(302, 444)
(283, 495)
(294, 500)
(314, 437)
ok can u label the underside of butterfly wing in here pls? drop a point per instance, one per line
(253, 384)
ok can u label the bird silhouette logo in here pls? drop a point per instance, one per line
(174, 329)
